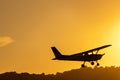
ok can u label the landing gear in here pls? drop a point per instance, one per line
(92, 63)
(82, 65)
(98, 64)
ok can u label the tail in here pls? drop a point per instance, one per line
(56, 53)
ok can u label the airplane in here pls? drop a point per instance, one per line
(82, 56)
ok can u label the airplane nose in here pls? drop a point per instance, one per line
(102, 55)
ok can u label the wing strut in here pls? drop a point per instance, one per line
(97, 51)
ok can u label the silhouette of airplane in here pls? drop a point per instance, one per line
(86, 56)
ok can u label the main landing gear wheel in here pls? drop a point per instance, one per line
(92, 63)
(82, 65)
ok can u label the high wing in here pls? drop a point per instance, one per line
(91, 50)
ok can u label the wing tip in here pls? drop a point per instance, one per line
(109, 45)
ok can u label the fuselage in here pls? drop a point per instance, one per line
(90, 57)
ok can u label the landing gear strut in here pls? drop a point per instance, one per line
(83, 65)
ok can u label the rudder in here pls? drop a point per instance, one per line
(56, 52)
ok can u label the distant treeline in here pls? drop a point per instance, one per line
(107, 73)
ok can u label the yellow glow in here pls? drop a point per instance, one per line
(117, 36)
(71, 25)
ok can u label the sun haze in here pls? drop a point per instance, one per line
(33, 26)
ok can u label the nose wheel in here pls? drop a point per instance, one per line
(98, 64)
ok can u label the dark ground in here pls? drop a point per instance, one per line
(107, 73)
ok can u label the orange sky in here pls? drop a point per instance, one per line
(29, 28)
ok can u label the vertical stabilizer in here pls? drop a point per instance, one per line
(56, 52)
